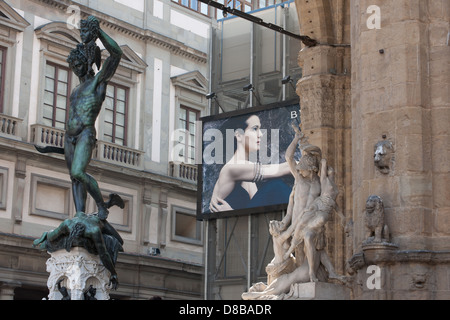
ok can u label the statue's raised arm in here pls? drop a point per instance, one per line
(290, 152)
(93, 31)
(112, 62)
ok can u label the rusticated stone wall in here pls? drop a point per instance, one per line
(403, 94)
(392, 84)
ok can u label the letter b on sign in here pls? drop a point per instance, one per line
(374, 281)
(294, 115)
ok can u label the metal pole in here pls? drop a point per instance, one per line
(285, 57)
(249, 253)
(210, 259)
(252, 61)
(307, 41)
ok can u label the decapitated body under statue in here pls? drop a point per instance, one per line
(90, 231)
(300, 234)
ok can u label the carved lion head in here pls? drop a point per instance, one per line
(383, 152)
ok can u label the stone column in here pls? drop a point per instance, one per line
(162, 218)
(79, 269)
(325, 101)
(19, 187)
(7, 289)
(324, 92)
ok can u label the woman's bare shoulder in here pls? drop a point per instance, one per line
(236, 170)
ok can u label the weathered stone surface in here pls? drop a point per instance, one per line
(400, 89)
(318, 291)
(79, 269)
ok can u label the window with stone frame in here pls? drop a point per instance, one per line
(187, 119)
(12, 26)
(57, 85)
(185, 226)
(115, 115)
(56, 80)
(194, 5)
(3, 51)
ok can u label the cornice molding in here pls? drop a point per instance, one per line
(193, 81)
(174, 46)
(390, 256)
(12, 19)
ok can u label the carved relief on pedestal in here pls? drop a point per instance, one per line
(78, 270)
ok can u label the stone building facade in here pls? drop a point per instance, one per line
(145, 149)
(379, 74)
(392, 83)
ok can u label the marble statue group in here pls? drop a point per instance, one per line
(299, 239)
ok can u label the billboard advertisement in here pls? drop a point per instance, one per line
(243, 169)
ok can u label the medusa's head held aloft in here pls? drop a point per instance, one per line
(89, 29)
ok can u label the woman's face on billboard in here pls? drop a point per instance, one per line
(253, 134)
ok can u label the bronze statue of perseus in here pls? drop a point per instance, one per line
(91, 231)
(85, 104)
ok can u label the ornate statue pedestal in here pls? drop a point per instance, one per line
(300, 291)
(375, 252)
(79, 270)
(318, 291)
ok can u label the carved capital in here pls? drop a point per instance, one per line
(325, 101)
